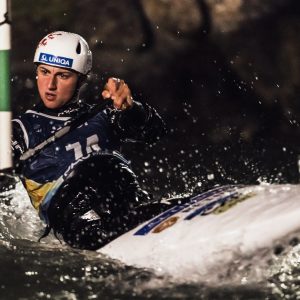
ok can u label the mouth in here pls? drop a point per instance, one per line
(50, 96)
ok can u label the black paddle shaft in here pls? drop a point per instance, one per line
(66, 129)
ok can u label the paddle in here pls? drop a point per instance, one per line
(7, 178)
(69, 126)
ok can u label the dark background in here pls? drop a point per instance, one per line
(224, 74)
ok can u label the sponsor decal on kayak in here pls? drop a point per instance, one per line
(230, 203)
(165, 224)
(220, 205)
(202, 200)
(55, 60)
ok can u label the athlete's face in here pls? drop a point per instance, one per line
(56, 85)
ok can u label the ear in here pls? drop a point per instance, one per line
(81, 80)
(81, 87)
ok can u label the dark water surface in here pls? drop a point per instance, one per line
(51, 270)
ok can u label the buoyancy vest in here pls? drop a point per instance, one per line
(45, 172)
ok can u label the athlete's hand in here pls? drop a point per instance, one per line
(117, 90)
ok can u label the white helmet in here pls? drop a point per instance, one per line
(66, 50)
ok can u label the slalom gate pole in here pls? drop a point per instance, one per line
(5, 110)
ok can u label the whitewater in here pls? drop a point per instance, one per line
(51, 270)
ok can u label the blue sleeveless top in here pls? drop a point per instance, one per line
(46, 171)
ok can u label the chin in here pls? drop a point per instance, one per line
(51, 105)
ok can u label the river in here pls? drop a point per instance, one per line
(51, 270)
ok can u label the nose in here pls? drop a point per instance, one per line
(52, 83)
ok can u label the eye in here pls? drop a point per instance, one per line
(43, 71)
(64, 75)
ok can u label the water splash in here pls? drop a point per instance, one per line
(18, 219)
(52, 270)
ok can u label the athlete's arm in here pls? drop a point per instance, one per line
(140, 122)
(133, 120)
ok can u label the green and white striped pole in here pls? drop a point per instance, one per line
(5, 112)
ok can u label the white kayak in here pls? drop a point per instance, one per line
(211, 229)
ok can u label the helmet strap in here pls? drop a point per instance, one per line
(80, 89)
